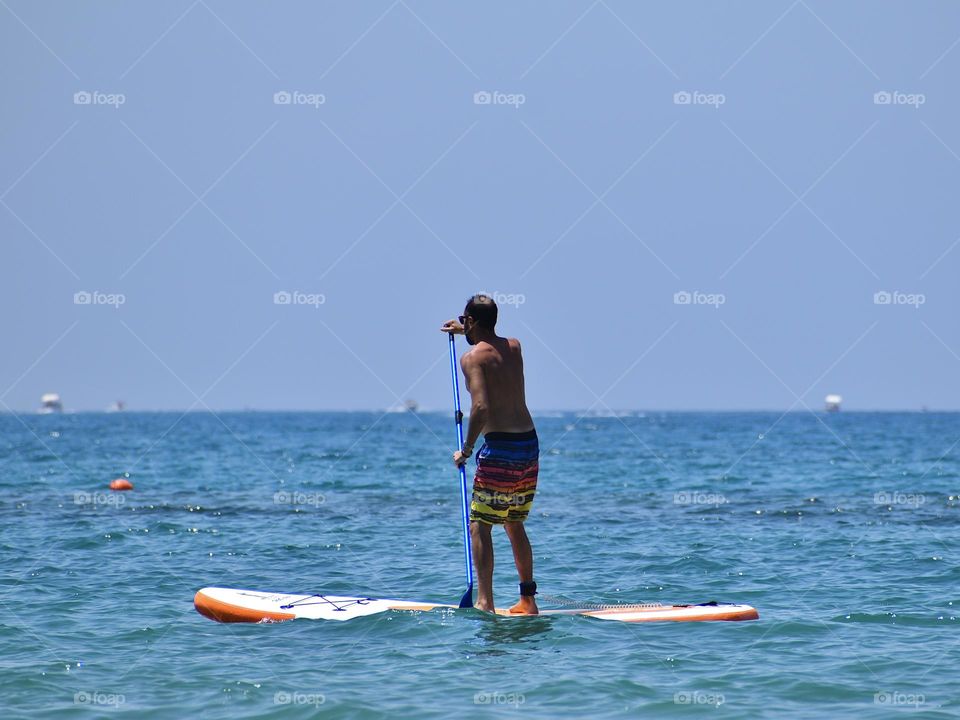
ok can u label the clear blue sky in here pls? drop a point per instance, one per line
(594, 200)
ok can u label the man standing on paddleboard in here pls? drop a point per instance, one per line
(508, 460)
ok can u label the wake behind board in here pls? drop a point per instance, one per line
(229, 605)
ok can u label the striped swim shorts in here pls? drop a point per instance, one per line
(506, 479)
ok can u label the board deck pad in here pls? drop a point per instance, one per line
(230, 605)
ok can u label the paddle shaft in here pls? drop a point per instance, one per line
(467, 600)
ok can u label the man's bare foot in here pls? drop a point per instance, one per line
(485, 606)
(526, 606)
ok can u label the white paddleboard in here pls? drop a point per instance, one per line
(229, 605)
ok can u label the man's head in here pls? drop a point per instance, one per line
(479, 317)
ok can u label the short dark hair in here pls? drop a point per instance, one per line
(483, 309)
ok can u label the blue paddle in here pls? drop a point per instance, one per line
(467, 600)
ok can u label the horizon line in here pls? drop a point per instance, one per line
(432, 411)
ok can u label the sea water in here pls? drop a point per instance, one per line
(840, 529)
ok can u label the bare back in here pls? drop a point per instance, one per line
(501, 363)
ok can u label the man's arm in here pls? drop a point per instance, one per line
(476, 384)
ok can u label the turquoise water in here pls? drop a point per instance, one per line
(841, 530)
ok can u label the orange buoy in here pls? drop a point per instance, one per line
(121, 484)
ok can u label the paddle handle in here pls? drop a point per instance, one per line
(467, 600)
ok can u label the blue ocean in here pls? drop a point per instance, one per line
(841, 529)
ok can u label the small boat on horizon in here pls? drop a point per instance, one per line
(50, 403)
(407, 406)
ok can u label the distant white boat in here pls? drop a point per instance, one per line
(407, 406)
(832, 403)
(50, 403)
(118, 406)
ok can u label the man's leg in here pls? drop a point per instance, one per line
(482, 543)
(523, 557)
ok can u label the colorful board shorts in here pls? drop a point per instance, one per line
(506, 479)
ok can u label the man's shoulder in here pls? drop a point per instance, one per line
(474, 355)
(480, 354)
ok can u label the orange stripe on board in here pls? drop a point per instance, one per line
(750, 614)
(227, 612)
